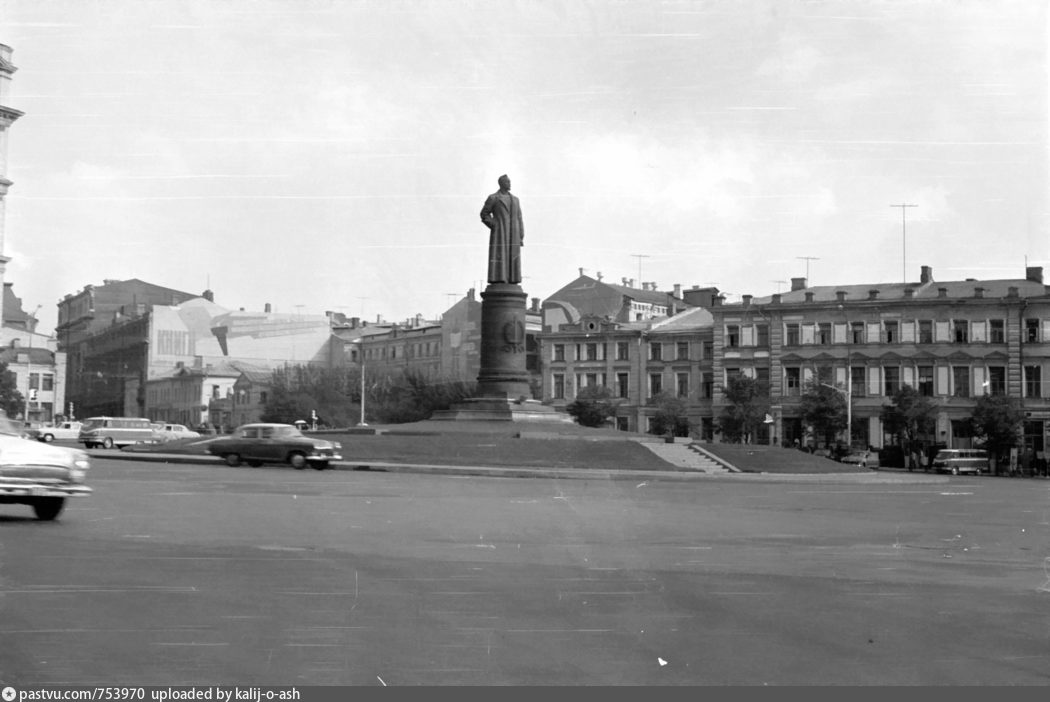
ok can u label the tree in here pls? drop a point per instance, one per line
(997, 423)
(298, 391)
(11, 400)
(672, 415)
(593, 406)
(824, 407)
(748, 406)
(909, 416)
(415, 396)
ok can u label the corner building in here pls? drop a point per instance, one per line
(951, 341)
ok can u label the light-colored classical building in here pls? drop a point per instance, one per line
(952, 341)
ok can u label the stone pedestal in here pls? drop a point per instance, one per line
(503, 373)
(503, 392)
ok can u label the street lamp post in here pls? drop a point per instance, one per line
(848, 394)
(361, 365)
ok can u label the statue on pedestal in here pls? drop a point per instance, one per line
(502, 215)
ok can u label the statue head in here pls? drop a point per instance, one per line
(504, 182)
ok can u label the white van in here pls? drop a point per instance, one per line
(957, 461)
(108, 432)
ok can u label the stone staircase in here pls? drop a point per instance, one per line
(687, 456)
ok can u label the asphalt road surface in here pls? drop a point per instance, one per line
(211, 575)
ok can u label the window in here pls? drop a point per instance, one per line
(558, 386)
(683, 384)
(622, 384)
(47, 382)
(732, 335)
(559, 352)
(592, 380)
(263, 397)
(708, 389)
(961, 381)
(682, 350)
(792, 335)
(961, 333)
(793, 381)
(925, 381)
(1033, 376)
(655, 384)
(1031, 330)
(997, 380)
(891, 333)
(824, 333)
(997, 331)
(856, 332)
(622, 351)
(709, 349)
(34, 381)
(215, 392)
(762, 335)
(892, 380)
(925, 331)
(856, 381)
(592, 352)
(655, 351)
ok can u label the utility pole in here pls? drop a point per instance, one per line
(639, 257)
(807, 259)
(904, 240)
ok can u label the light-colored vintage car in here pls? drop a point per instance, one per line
(39, 475)
(64, 431)
(172, 432)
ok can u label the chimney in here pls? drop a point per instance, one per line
(653, 286)
(678, 290)
(798, 284)
(926, 276)
(581, 272)
(1012, 291)
(210, 296)
(717, 300)
(942, 292)
(354, 322)
(840, 295)
(1034, 274)
(470, 294)
(266, 308)
(809, 296)
(630, 282)
(775, 298)
(873, 294)
(746, 300)
(599, 276)
(535, 304)
(645, 286)
(623, 282)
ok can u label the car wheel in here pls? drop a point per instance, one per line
(107, 443)
(319, 465)
(48, 438)
(47, 508)
(297, 460)
(232, 459)
(255, 464)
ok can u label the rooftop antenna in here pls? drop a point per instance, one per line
(640, 257)
(782, 282)
(807, 259)
(904, 239)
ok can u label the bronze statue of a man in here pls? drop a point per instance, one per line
(502, 215)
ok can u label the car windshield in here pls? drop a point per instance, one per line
(285, 432)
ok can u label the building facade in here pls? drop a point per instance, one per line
(952, 341)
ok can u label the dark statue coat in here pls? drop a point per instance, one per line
(502, 215)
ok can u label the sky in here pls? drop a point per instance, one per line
(334, 155)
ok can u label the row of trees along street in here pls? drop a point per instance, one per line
(909, 417)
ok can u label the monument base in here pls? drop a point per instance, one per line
(499, 409)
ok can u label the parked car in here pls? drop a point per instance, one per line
(260, 443)
(171, 432)
(39, 476)
(956, 461)
(66, 431)
(108, 432)
(862, 458)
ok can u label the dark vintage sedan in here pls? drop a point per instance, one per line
(256, 444)
(41, 476)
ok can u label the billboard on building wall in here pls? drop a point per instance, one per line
(204, 330)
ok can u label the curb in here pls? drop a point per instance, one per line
(562, 473)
